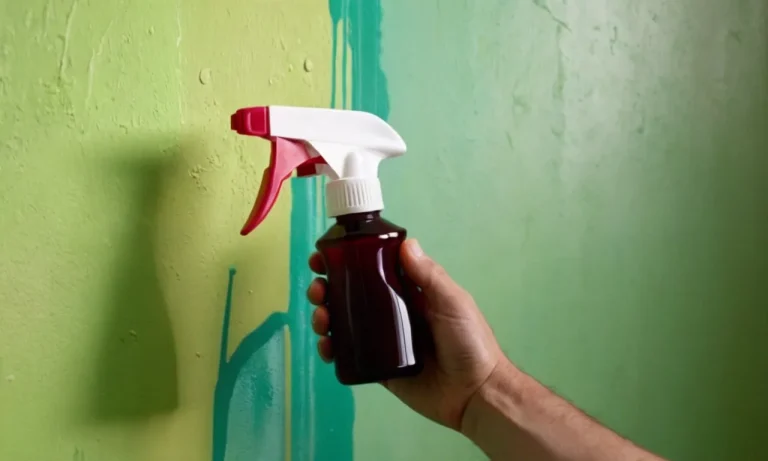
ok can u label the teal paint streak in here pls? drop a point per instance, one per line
(248, 419)
(361, 22)
(227, 317)
(369, 84)
(334, 410)
(322, 413)
(249, 412)
(361, 25)
(304, 361)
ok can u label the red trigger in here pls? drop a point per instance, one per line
(309, 168)
(286, 156)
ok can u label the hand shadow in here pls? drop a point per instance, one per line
(136, 374)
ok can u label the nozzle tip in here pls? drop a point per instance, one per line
(252, 121)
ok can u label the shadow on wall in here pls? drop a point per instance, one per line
(135, 375)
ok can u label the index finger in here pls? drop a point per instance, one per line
(316, 263)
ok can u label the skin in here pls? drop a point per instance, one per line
(469, 385)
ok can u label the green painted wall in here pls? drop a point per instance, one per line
(594, 172)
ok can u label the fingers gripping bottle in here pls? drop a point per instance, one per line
(376, 328)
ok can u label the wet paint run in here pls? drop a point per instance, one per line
(249, 417)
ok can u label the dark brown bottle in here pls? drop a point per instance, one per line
(377, 331)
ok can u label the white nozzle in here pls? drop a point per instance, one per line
(352, 143)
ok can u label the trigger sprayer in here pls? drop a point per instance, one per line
(377, 332)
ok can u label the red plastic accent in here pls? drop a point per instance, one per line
(309, 168)
(287, 155)
(251, 121)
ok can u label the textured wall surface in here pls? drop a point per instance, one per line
(594, 172)
(122, 191)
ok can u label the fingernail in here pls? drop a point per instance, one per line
(415, 249)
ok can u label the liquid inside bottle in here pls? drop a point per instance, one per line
(376, 329)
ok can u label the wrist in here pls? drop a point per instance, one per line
(500, 396)
(512, 416)
(501, 418)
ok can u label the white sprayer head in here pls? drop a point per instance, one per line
(345, 145)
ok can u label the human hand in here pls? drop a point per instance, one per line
(465, 350)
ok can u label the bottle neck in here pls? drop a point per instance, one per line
(354, 218)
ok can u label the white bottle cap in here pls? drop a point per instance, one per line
(353, 195)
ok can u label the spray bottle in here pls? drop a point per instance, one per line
(378, 332)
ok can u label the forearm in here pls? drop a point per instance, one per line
(513, 417)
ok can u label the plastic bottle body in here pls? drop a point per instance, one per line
(376, 328)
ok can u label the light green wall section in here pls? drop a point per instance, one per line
(596, 175)
(122, 191)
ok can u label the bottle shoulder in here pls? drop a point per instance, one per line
(357, 229)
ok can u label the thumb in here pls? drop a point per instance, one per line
(424, 271)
